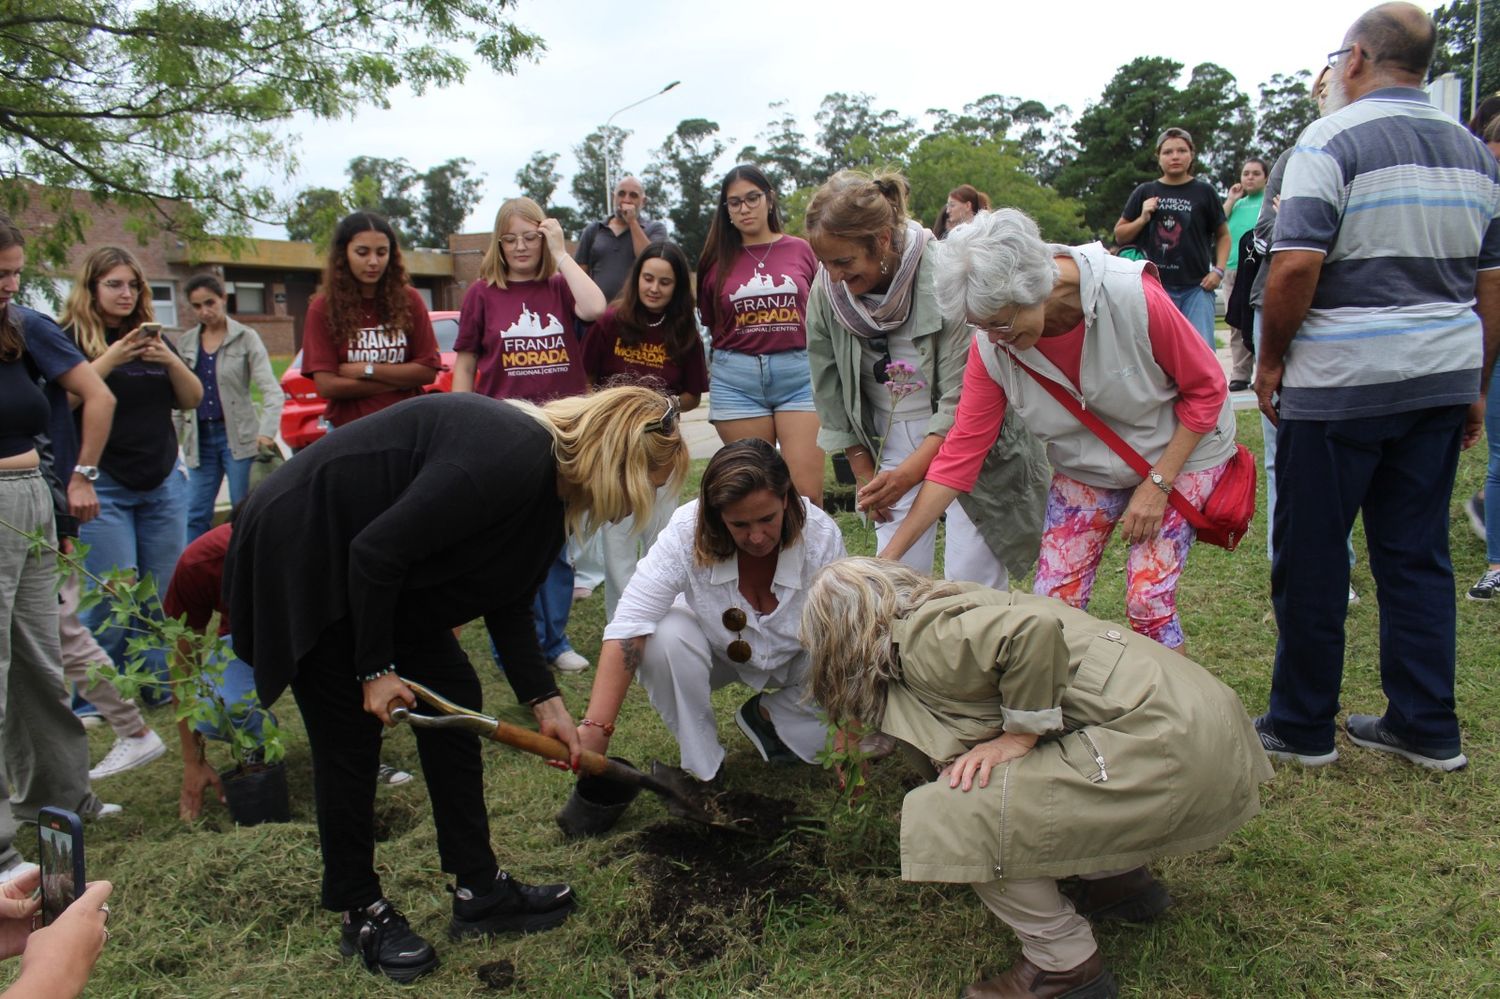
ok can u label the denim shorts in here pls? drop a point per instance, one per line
(746, 386)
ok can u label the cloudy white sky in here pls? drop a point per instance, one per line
(735, 59)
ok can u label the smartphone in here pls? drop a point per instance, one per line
(60, 846)
(151, 329)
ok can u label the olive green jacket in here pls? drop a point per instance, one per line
(1142, 753)
(1009, 500)
(242, 362)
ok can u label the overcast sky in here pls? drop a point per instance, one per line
(735, 59)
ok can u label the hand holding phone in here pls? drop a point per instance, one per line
(151, 330)
(60, 849)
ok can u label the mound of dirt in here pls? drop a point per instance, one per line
(707, 887)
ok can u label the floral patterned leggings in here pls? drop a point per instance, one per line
(1080, 519)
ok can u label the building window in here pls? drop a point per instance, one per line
(164, 301)
(247, 298)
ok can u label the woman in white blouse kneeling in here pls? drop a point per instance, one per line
(717, 599)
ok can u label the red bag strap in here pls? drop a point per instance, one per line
(1127, 454)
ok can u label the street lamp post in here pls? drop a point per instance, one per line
(607, 178)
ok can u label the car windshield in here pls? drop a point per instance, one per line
(446, 331)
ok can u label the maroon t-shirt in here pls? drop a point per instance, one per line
(606, 356)
(523, 337)
(374, 343)
(197, 587)
(763, 307)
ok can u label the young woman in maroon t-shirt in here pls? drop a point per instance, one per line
(753, 281)
(649, 337)
(367, 343)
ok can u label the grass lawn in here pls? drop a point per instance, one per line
(1370, 877)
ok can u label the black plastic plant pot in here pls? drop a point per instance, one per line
(842, 473)
(596, 804)
(257, 794)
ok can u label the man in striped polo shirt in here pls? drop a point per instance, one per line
(1381, 318)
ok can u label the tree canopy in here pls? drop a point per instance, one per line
(425, 208)
(167, 107)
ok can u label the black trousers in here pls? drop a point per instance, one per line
(1398, 471)
(345, 743)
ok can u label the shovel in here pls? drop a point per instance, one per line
(679, 803)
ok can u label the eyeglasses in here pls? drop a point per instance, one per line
(883, 363)
(666, 424)
(115, 284)
(734, 620)
(1333, 57)
(748, 201)
(529, 238)
(1005, 328)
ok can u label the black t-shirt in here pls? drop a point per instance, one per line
(1179, 238)
(142, 446)
(23, 408)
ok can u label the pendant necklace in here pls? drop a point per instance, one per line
(659, 320)
(760, 262)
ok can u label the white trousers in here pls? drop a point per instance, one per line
(679, 671)
(623, 549)
(965, 555)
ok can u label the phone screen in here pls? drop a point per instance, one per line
(60, 836)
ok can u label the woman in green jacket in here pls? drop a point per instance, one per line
(1064, 745)
(887, 368)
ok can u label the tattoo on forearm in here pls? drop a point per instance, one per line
(633, 649)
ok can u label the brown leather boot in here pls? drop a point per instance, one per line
(1133, 897)
(1024, 980)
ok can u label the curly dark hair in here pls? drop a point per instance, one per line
(340, 288)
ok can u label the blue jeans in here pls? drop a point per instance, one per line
(747, 386)
(554, 601)
(1492, 476)
(1398, 472)
(215, 461)
(1198, 306)
(144, 531)
(237, 688)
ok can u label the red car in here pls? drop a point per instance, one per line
(302, 419)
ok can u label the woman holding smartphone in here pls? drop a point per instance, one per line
(141, 484)
(368, 341)
(221, 437)
(753, 281)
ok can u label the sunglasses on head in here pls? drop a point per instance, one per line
(734, 620)
(667, 424)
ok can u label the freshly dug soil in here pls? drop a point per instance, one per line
(497, 975)
(708, 887)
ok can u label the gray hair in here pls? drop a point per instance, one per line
(997, 260)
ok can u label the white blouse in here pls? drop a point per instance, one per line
(669, 575)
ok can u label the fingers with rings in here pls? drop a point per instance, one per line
(104, 908)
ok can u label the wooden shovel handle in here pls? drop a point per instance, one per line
(547, 747)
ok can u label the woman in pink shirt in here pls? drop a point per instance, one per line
(1105, 330)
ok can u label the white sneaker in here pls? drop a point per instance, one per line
(91, 721)
(14, 871)
(570, 662)
(107, 811)
(128, 753)
(1353, 597)
(390, 776)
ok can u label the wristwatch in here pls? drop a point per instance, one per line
(369, 371)
(1159, 481)
(90, 472)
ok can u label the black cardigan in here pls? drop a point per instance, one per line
(420, 517)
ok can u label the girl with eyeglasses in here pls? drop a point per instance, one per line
(516, 340)
(649, 336)
(873, 305)
(348, 569)
(141, 482)
(718, 599)
(367, 342)
(753, 281)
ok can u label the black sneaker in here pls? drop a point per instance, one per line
(762, 734)
(1488, 587)
(1370, 732)
(510, 907)
(385, 942)
(1277, 749)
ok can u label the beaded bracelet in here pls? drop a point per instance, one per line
(377, 674)
(608, 730)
